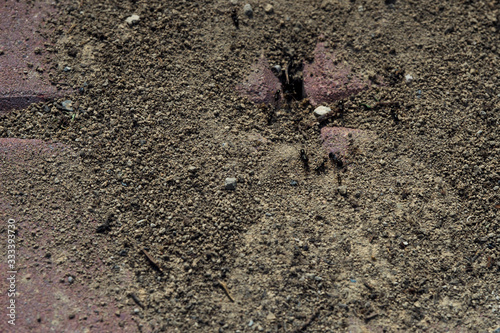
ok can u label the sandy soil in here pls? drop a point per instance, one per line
(402, 236)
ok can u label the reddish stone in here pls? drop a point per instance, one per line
(325, 81)
(23, 63)
(46, 301)
(337, 140)
(262, 86)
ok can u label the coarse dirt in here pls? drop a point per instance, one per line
(411, 243)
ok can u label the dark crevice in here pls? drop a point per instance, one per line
(292, 81)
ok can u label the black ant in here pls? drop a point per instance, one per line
(277, 95)
(234, 16)
(338, 162)
(304, 159)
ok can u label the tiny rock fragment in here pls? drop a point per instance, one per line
(132, 19)
(230, 184)
(67, 105)
(342, 190)
(269, 9)
(271, 316)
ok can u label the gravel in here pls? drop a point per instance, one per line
(247, 9)
(132, 19)
(230, 184)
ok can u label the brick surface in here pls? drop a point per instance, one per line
(326, 81)
(46, 301)
(23, 56)
(262, 86)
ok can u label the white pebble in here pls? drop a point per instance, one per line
(133, 19)
(321, 111)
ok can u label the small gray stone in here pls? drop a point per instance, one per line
(342, 190)
(67, 105)
(230, 184)
(247, 9)
(70, 279)
(133, 19)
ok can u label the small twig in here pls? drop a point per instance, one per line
(71, 28)
(286, 74)
(136, 300)
(224, 286)
(152, 260)
(371, 316)
(367, 285)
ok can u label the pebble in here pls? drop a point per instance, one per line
(277, 69)
(133, 19)
(67, 105)
(293, 182)
(321, 111)
(230, 184)
(408, 78)
(342, 190)
(136, 310)
(271, 316)
(70, 279)
(247, 9)
(250, 323)
(67, 69)
(269, 9)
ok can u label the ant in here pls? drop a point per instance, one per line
(338, 162)
(304, 159)
(234, 16)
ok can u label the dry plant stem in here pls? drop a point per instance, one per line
(224, 286)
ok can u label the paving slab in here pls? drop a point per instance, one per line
(327, 80)
(59, 261)
(24, 58)
(261, 85)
